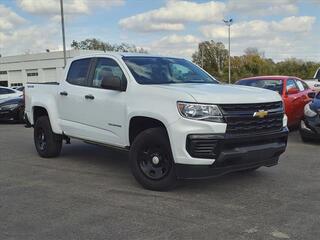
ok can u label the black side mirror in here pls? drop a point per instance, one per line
(311, 94)
(113, 83)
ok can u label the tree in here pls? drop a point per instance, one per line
(211, 56)
(253, 51)
(95, 44)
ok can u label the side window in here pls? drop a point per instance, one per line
(9, 91)
(106, 67)
(305, 86)
(6, 91)
(300, 85)
(78, 72)
(291, 84)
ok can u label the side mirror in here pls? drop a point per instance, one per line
(293, 91)
(311, 94)
(112, 82)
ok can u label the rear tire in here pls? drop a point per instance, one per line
(151, 160)
(48, 144)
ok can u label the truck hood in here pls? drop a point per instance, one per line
(224, 94)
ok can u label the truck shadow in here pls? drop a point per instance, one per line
(105, 161)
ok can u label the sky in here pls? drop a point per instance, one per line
(280, 28)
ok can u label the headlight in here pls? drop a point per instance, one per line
(308, 111)
(204, 112)
(8, 107)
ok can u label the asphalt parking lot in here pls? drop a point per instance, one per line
(89, 193)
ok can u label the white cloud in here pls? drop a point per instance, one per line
(173, 15)
(294, 24)
(289, 37)
(21, 40)
(70, 6)
(175, 45)
(179, 39)
(260, 28)
(263, 7)
(152, 27)
(9, 19)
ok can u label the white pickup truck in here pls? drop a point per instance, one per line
(176, 120)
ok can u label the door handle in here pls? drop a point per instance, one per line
(91, 97)
(64, 93)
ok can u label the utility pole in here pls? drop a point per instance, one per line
(229, 23)
(63, 34)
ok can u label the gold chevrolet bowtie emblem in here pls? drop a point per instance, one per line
(260, 114)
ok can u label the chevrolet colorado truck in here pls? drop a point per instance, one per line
(177, 121)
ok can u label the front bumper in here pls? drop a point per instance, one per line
(310, 127)
(9, 114)
(235, 153)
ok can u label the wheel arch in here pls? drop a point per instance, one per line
(39, 110)
(137, 124)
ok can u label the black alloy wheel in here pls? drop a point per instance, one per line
(151, 160)
(154, 162)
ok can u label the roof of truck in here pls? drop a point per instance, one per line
(121, 54)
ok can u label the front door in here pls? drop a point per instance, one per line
(293, 102)
(106, 111)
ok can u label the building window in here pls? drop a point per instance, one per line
(16, 84)
(32, 74)
(3, 72)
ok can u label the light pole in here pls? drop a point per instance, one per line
(229, 23)
(63, 34)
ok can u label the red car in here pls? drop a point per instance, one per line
(293, 91)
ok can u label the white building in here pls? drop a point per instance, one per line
(40, 67)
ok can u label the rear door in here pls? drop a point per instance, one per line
(71, 99)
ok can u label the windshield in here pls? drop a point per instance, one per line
(160, 70)
(275, 85)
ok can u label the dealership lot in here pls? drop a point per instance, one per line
(89, 193)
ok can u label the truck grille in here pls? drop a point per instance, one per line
(240, 118)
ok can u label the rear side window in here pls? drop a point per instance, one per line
(78, 72)
(300, 85)
(305, 86)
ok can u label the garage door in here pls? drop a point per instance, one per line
(50, 75)
(15, 77)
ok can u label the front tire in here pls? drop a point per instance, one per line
(20, 116)
(48, 144)
(151, 160)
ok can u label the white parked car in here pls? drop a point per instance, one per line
(176, 120)
(9, 93)
(314, 83)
